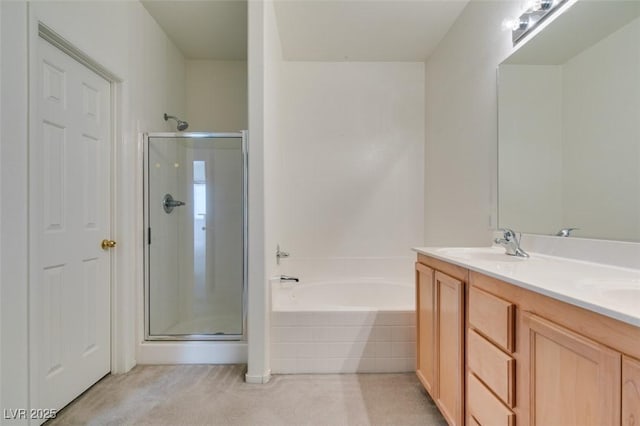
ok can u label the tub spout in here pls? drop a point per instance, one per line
(288, 278)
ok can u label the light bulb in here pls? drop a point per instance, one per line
(521, 23)
(531, 5)
(515, 24)
(536, 5)
(547, 4)
(507, 24)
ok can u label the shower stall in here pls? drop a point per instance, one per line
(195, 213)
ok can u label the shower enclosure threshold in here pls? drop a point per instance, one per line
(192, 352)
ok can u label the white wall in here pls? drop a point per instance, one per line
(273, 135)
(216, 95)
(123, 38)
(530, 162)
(350, 162)
(13, 249)
(260, 42)
(601, 82)
(461, 131)
(1, 123)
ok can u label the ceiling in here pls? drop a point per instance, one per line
(311, 30)
(356, 30)
(204, 29)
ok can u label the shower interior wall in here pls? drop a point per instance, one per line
(216, 101)
(165, 277)
(189, 296)
(343, 162)
(344, 167)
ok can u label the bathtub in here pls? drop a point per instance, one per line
(342, 327)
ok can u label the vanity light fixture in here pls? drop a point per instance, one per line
(535, 12)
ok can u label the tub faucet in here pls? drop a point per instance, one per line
(511, 243)
(565, 232)
(288, 278)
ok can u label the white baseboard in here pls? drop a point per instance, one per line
(259, 380)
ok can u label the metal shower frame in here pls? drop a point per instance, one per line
(243, 136)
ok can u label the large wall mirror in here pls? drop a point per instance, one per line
(569, 125)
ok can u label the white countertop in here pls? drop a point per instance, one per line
(608, 290)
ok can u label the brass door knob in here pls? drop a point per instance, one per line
(107, 244)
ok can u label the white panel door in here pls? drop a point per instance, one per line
(70, 203)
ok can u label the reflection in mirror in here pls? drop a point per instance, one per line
(569, 125)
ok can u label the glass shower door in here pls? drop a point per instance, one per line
(196, 221)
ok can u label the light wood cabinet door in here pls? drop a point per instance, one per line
(426, 328)
(572, 380)
(630, 391)
(450, 361)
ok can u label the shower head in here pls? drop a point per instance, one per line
(182, 125)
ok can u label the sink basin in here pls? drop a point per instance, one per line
(486, 254)
(627, 298)
(630, 295)
(624, 292)
(609, 285)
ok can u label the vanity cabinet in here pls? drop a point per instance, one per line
(572, 366)
(440, 295)
(529, 359)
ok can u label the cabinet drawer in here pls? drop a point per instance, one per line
(485, 408)
(492, 366)
(492, 317)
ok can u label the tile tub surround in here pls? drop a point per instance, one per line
(342, 342)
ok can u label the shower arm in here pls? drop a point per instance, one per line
(181, 125)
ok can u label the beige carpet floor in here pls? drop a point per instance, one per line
(218, 395)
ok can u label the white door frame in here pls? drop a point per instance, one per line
(38, 29)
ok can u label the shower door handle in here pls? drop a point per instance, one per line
(168, 203)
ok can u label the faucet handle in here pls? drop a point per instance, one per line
(508, 233)
(280, 254)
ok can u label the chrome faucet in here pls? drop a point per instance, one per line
(511, 243)
(280, 254)
(566, 232)
(288, 278)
